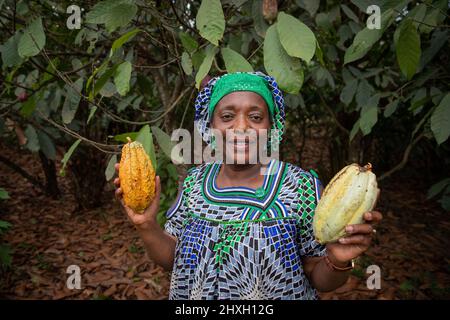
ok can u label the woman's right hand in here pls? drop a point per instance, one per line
(144, 221)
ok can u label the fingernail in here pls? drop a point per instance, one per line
(349, 229)
(369, 215)
(341, 240)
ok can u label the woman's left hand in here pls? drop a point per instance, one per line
(357, 241)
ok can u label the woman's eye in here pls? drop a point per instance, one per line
(226, 117)
(256, 117)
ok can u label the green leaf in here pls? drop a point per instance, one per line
(73, 97)
(437, 188)
(390, 108)
(112, 13)
(186, 63)
(445, 202)
(166, 144)
(146, 138)
(297, 39)
(408, 49)
(10, 55)
(47, 145)
(348, 92)
(440, 120)
(3, 195)
(122, 78)
(123, 39)
(205, 66)
(123, 136)
(67, 156)
(28, 107)
(363, 93)
(234, 62)
(366, 38)
(309, 5)
(189, 43)
(280, 65)
(349, 13)
(32, 139)
(91, 113)
(369, 114)
(33, 39)
(120, 16)
(5, 255)
(259, 22)
(355, 129)
(210, 21)
(110, 170)
(101, 82)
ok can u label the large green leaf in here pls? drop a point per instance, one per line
(259, 22)
(440, 120)
(369, 114)
(67, 156)
(10, 55)
(297, 39)
(287, 70)
(112, 13)
(122, 78)
(188, 42)
(206, 65)
(73, 97)
(348, 92)
(33, 39)
(366, 38)
(408, 49)
(210, 21)
(166, 144)
(234, 62)
(146, 138)
(122, 40)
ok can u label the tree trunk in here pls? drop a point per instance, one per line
(51, 183)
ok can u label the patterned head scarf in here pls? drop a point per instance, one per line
(208, 98)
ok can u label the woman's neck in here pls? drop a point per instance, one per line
(232, 175)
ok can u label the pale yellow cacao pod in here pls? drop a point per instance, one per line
(137, 177)
(352, 192)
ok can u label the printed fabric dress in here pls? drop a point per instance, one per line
(242, 243)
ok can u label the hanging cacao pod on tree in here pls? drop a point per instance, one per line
(137, 176)
(352, 192)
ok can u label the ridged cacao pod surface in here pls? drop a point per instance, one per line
(137, 176)
(352, 192)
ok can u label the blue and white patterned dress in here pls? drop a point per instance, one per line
(242, 243)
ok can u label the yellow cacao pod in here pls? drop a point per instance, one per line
(137, 177)
(352, 192)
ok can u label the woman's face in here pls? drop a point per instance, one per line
(242, 115)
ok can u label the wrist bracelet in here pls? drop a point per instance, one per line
(336, 268)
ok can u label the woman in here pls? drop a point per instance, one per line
(234, 233)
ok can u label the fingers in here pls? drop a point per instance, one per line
(117, 166)
(363, 240)
(118, 193)
(373, 216)
(117, 182)
(359, 228)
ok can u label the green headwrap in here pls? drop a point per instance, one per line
(241, 82)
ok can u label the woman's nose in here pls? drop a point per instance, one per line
(241, 124)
